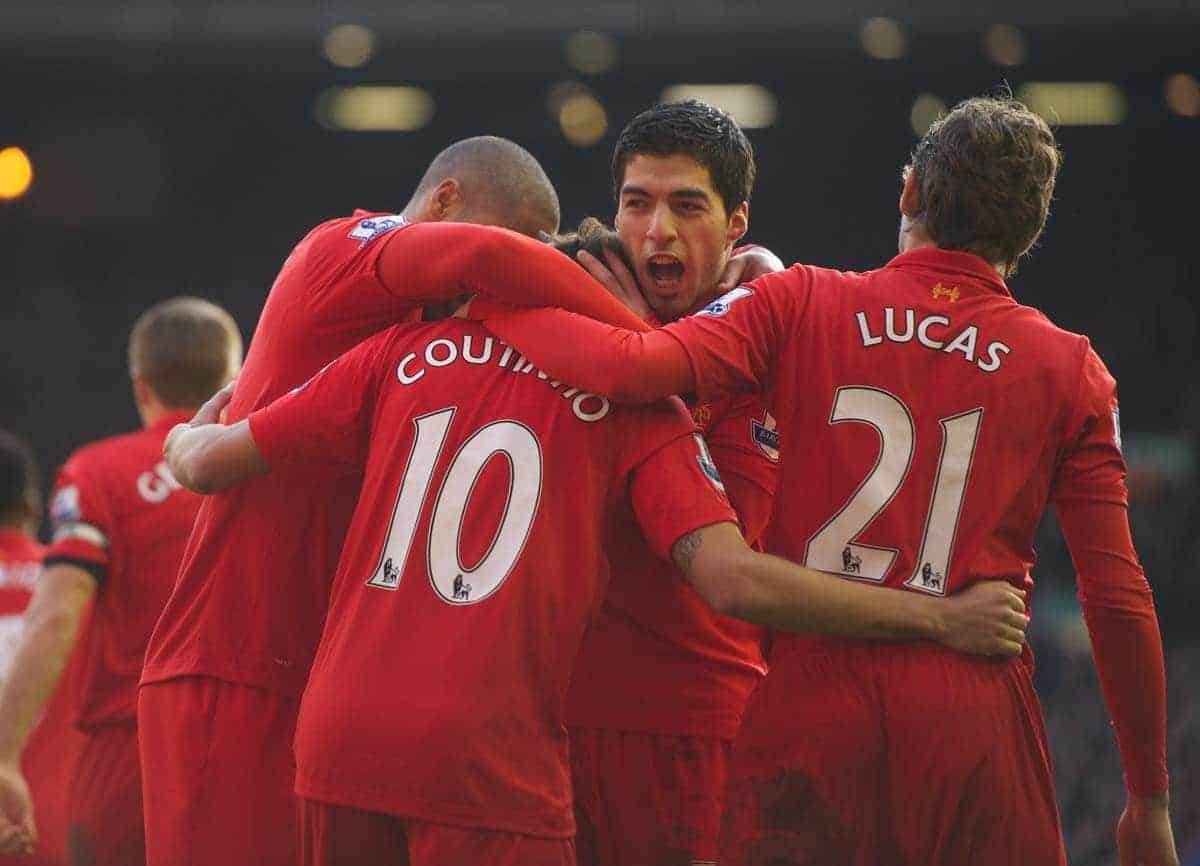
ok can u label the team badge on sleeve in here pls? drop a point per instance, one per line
(766, 436)
(65, 505)
(370, 228)
(704, 458)
(721, 305)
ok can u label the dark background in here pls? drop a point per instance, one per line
(176, 151)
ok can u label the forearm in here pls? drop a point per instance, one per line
(625, 365)
(45, 646)
(784, 596)
(1119, 610)
(209, 458)
(437, 261)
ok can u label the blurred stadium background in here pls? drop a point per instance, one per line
(155, 148)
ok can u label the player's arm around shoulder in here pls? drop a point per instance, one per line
(207, 456)
(987, 619)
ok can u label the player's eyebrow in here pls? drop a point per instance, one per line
(687, 192)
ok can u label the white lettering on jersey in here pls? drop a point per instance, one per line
(20, 575)
(721, 305)
(707, 466)
(157, 484)
(964, 341)
(444, 352)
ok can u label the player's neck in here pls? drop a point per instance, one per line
(914, 237)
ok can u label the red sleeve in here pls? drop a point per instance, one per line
(324, 425)
(1091, 499)
(729, 345)
(439, 261)
(745, 446)
(81, 519)
(675, 488)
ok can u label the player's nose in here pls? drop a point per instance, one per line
(661, 226)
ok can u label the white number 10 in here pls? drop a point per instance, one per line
(454, 583)
(835, 547)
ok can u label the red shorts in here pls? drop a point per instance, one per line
(891, 754)
(218, 774)
(104, 804)
(341, 836)
(647, 798)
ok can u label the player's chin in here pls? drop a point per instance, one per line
(671, 304)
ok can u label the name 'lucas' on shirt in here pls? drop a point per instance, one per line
(905, 327)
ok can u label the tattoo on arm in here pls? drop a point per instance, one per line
(684, 551)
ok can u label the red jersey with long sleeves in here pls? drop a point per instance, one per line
(54, 744)
(491, 500)
(118, 513)
(657, 658)
(20, 568)
(252, 591)
(930, 419)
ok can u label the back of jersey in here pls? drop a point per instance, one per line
(927, 413)
(474, 560)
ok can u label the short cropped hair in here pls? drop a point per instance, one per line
(497, 176)
(986, 174)
(20, 480)
(594, 237)
(697, 130)
(185, 349)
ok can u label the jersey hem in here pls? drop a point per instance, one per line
(385, 801)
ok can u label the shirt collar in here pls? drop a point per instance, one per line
(951, 263)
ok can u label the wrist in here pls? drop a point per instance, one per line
(1149, 802)
(932, 616)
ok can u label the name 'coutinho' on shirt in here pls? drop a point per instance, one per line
(466, 349)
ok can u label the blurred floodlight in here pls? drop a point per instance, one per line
(583, 119)
(374, 108)
(348, 45)
(751, 105)
(926, 109)
(591, 53)
(16, 173)
(1005, 45)
(1075, 103)
(883, 38)
(1183, 95)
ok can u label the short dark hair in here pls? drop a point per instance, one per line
(20, 479)
(594, 237)
(498, 176)
(986, 174)
(185, 349)
(694, 129)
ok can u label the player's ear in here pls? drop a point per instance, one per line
(446, 200)
(910, 194)
(739, 223)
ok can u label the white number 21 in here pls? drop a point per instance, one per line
(835, 548)
(453, 582)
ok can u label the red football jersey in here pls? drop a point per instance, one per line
(20, 567)
(474, 561)
(50, 753)
(662, 661)
(932, 419)
(118, 513)
(251, 593)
